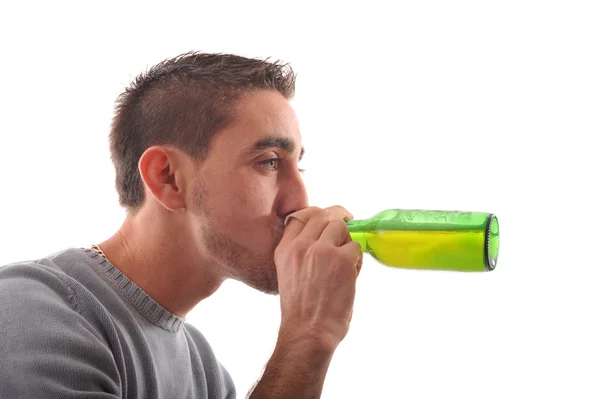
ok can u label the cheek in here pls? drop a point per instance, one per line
(241, 201)
(254, 196)
(250, 216)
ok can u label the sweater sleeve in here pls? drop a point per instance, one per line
(47, 348)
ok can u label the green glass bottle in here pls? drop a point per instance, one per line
(429, 239)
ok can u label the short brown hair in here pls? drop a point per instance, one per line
(184, 101)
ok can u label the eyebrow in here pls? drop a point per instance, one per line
(284, 143)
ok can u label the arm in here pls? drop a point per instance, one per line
(317, 267)
(47, 348)
(297, 368)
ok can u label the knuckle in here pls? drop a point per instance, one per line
(323, 218)
(339, 224)
(325, 215)
(314, 213)
(356, 246)
(311, 210)
(338, 212)
(336, 208)
(342, 209)
(354, 252)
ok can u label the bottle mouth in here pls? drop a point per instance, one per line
(492, 243)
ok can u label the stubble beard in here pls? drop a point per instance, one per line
(255, 270)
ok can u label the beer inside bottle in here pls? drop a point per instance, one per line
(430, 239)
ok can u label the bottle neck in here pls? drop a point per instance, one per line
(359, 232)
(355, 226)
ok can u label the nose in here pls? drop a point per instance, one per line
(293, 195)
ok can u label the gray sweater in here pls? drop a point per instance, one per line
(73, 326)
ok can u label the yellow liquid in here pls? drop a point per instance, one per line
(439, 250)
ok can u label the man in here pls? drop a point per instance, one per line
(206, 150)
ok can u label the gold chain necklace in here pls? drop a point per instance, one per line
(97, 250)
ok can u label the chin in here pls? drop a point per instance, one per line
(250, 263)
(263, 278)
(256, 271)
(269, 289)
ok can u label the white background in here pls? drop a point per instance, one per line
(456, 105)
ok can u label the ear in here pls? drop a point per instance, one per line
(163, 176)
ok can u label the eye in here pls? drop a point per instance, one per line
(271, 164)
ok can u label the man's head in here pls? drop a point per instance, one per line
(211, 141)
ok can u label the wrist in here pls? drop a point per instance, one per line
(319, 344)
(297, 367)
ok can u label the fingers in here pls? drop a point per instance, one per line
(315, 227)
(354, 254)
(297, 221)
(303, 215)
(335, 232)
(294, 223)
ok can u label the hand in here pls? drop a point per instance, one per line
(317, 267)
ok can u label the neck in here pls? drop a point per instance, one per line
(145, 251)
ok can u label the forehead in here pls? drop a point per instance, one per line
(259, 117)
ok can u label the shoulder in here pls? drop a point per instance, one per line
(61, 280)
(30, 284)
(47, 344)
(39, 301)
